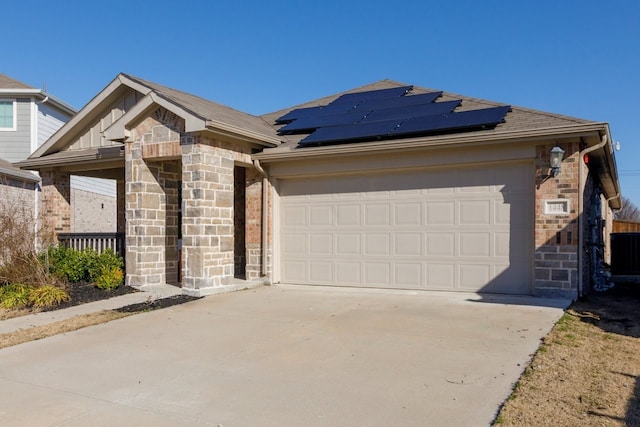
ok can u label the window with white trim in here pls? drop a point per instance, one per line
(7, 114)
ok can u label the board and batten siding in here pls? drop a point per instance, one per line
(93, 137)
(14, 145)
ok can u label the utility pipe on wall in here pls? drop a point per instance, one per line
(603, 141)
(265, 217)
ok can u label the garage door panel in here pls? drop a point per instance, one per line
(348, 215)
(475, 212)
(466, 229)
(474, 244)
(377, 244)
(321, 244)
(378, 273)
(320, 271)
(408, 214)
(348, 244)
(440, 244)
(408, 275)
(440, 276)
(348, 273)
(295, 271)
(294, 244)
(441, 213)
(294, 216)
(474, 276)
(407, 244)
(320, 216)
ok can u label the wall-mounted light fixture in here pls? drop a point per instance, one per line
(556, 160)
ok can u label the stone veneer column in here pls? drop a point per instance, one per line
(56, 200)
(145, 220)
(556, 236)
(207, 218)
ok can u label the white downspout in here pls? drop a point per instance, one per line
(265, 218)
(602, 143)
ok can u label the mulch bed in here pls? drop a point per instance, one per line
(82, 293)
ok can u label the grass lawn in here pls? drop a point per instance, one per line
(587, 370)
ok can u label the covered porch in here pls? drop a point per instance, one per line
(190, 201)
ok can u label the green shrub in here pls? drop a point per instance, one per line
(77, 266)
(47, 296)
(110, 278)
(67, 263)
(99, 262)
(14, 295)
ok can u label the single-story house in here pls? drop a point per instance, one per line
(387, 185)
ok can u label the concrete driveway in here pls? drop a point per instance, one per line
(283, 356)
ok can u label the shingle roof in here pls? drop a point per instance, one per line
(209, 110)
(8, 169)
(7, 82)
(517, 120)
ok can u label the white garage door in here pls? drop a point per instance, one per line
(467, 229)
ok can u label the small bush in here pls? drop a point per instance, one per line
(77, 266)
(99, 262)
(110, 278)
(47, 296)
(67, 263)
(14, 295)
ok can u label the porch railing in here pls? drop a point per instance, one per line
(97, 241)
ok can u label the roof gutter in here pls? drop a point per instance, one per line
(421, 143)
(44, 96)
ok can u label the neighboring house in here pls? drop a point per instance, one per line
(28, 117)
(386, 185)
(18, 188)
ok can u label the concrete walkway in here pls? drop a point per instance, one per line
(283, 356)
(149, 293)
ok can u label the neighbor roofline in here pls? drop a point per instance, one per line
(20, 175)
(42, 95)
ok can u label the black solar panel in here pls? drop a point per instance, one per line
(303, 113)
(358, 97)
(411, 111)
(310, 123)
(384, 114)
(462, 120)
(402, 101)
(344, 133)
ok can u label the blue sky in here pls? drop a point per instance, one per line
(579, 58)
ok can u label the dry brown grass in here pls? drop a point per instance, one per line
(61, 327)
(587, 370)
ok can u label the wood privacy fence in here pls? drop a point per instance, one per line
(624, 226)
(625, 254)
(97, 241)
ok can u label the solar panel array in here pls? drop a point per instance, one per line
(384, 114)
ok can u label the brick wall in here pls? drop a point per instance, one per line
(56, 200)
(92, 212)
(556, 234)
